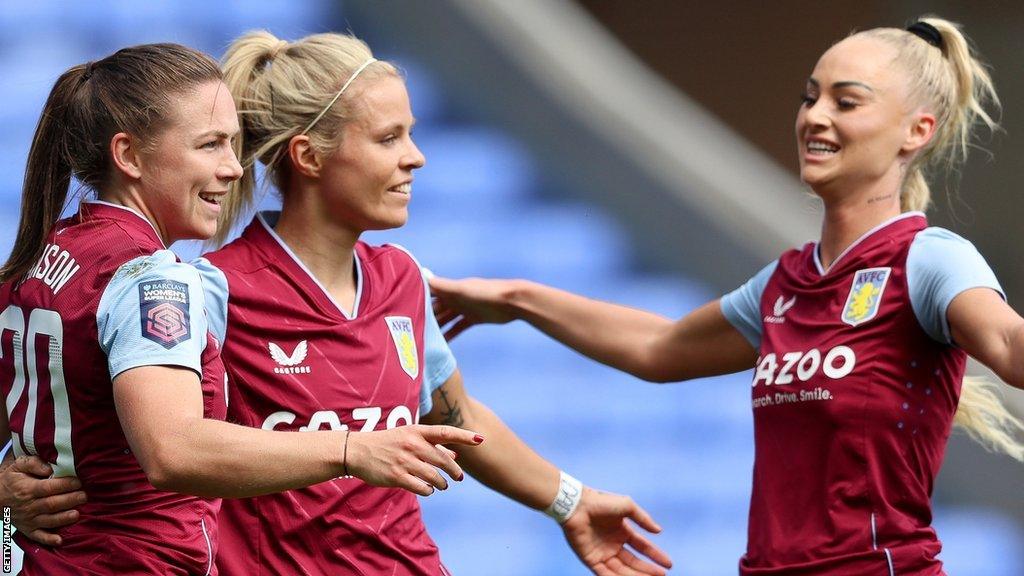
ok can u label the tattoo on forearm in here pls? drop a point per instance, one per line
(451, 413)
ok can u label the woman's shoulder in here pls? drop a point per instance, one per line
(939, 236)
(797, 254)
(390, 251)
(937, 247)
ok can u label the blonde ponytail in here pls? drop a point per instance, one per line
(916, 196)
(954, 85)
(279, 88)
(985, 418)
(244, 60)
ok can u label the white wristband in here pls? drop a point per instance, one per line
(570, 492)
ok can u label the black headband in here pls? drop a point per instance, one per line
(926, 32)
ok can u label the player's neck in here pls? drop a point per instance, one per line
(849, 217)
(131, 198)
(325, 249)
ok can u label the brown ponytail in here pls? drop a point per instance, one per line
(130, 91)
(47, 175)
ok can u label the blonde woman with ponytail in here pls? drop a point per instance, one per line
(858, 341)
(321, 330)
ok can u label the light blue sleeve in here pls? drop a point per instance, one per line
(215, 291)
(742, 306)
(152, 313)
(439, 362)
(941, 265)
(438, 357)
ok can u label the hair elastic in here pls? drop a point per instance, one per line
(281, 45)
(926, 32)
(338, 95)
(89, 69)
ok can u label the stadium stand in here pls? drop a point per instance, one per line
(484, 206)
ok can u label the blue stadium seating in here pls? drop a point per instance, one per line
(480, 208)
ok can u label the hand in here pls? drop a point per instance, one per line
(471, 301)
(598, 533)
(39, 504)
(408, 456)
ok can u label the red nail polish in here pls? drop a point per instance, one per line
(478, 438)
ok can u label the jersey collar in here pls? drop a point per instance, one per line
(817, 245)
(268, 219)
(120, 212)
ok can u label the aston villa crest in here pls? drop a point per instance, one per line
(405, 343)
(865, 295)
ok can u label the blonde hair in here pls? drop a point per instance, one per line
(955, 86)
(279, 89)
(984, 416)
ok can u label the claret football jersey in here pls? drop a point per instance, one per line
(853, 395)
(297, 360)
(106, 296)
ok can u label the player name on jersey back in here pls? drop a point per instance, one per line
(55, 267)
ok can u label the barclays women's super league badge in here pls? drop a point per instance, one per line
(163, 308)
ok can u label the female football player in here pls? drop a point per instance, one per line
(325, 331)
(858, 341)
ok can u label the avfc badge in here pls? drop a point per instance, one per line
(405, 343)
(164, 312)
(865, 295)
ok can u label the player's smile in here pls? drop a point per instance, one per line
(852, 125)
(368, 179)
(404, 189)
(186, 173)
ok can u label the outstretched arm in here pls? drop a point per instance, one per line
(649, 346)
(597, 530)
(985, 326)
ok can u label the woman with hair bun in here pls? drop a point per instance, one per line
(352, 337)
(107, 363)
(858, 341)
